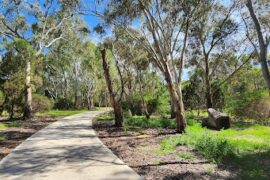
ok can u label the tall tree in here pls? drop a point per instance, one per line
(211, 31)
(161, 30)
(262, 28)
(116, 105)
(48, 27)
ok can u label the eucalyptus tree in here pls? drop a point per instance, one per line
(116, 103)
(39, 23)
(133, 61)
(72, 71)
(161, 26)
(212, 38)
(258, 31)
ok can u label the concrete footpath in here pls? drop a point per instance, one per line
(67, 149)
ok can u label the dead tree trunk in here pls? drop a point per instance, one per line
(116, 106)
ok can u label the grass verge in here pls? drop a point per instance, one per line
(60, 113)
(247, 149)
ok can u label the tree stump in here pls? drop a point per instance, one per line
(216, 120)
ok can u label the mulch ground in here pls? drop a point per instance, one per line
(140, 150)
(15, 135)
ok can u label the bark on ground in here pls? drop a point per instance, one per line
(140, 150)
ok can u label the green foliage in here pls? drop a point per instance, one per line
(60, 113)
(3, 126)
(14, 91)
(152, 104)
(41, 103)
(153, 122)
(14, 124)
(240, 102)
(223, 145)
(64, 104)
(214, 148)
(192, 90)
(191, 118)
(133, 103)
(163, 106)
(105, 117)
(185, 155)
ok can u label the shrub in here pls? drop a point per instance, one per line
(214, 148)
(153, 122)
(238, 104)
(163, 105)
(259, 110)
(152, 105)
(133, 103)
(64, 104)
(41, 103)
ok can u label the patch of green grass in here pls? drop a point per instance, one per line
(11, 124)
(210, 169)
(3, 126)
(60, 113)
(186, 155)
(162, 152)
(2, 138)
(247, 148)
(101, 108)
(105, 117)
(14, 124)
(157, 161)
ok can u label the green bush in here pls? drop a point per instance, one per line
(152, 105)
(133, 103)
(153, 122)
(214, 148)
(163, 105)
(64, 104)
(41, 103)
(240, 103)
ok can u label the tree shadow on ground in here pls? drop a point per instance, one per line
(251, 166)
(50, 148)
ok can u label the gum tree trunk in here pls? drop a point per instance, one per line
(209, 102)
(28, 92)
(176, 98)
(144, 105)
(116, 106)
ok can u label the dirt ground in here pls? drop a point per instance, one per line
(140, 150)
(13, 136)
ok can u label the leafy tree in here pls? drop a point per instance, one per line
(49, 27)
(211, 33)
(159, 34)
(259, 16)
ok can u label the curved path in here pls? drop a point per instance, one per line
(67, 149)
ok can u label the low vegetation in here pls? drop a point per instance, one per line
(237, 146)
